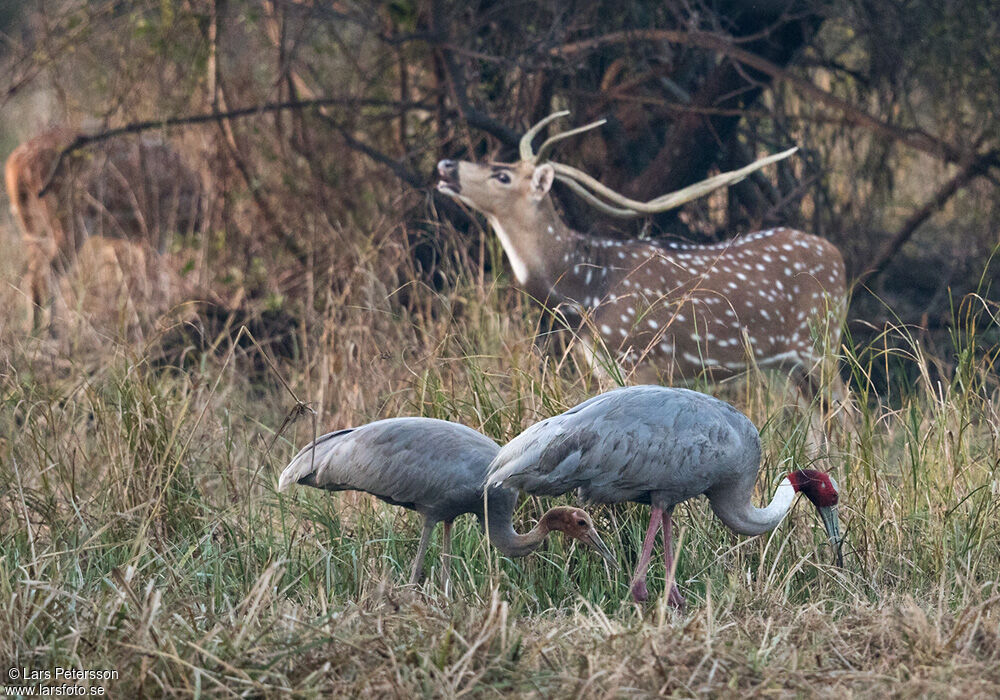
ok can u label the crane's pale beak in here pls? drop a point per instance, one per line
(831, 522)
(595, 541)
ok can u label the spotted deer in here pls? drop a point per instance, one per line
(134, 189)
(664, 311)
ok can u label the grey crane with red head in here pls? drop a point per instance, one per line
(436, 468)
(661, 446)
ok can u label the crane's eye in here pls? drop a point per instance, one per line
(503, 178)
(581, 523)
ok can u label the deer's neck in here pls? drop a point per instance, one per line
(542, 251)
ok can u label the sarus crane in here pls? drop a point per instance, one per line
(436, 468)
(660, 446)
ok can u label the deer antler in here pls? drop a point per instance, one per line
(579, 181)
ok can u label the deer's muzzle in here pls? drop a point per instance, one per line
(448, 170)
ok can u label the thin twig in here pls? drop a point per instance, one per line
(945, 192)
(83, 140)
(915, 138)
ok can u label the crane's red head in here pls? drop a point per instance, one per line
(817, 486)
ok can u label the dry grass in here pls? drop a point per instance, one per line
(140, 530)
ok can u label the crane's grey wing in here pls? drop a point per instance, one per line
(561, 454)
(309, 459)
(628, 444)
(420, 463)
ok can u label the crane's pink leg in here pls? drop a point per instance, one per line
(446, 555)
(675, 598)
(639, 591)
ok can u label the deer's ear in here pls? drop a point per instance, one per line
(541, 181)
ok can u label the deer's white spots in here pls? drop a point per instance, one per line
(624, 318)
(732, 285)
(766, 258)
(622, 332)
(621, 254)
(763, 312)
(653, 324)
(606, 329)
(630, 311)
(590, 271)
(551, 230)
(700, 361)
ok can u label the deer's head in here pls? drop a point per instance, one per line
(496, 189)
(508, 189)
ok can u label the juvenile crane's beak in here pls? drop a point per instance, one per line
(832, 524)
(595, 541)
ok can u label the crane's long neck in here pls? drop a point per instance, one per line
(499, 509)
(741, 516)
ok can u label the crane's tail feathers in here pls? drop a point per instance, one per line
(308, 460)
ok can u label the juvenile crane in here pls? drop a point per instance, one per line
(660, 446)
(667, 311)
(436, 468)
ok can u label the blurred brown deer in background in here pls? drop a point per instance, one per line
(663, 311)
(137, 189)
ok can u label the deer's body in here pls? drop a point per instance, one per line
(667, 311)
(677, 311)
(136, 189)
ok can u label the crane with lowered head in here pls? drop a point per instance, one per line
(436, 468)
(659, 446)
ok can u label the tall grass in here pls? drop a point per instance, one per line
(140, 529)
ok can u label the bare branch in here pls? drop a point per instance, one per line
(84, 140)
(915, 138)
(972, 169)
(455, 74)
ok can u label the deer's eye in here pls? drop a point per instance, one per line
(502, 177)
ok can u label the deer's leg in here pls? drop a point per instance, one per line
(639, 591)
(807, 381)
(418, 559)
(36, 280)
(828, 402)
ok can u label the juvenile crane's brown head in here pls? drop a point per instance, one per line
(576, 523)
